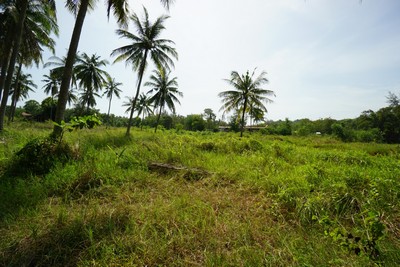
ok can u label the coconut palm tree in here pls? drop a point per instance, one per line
(246, 91)
(128, 104)
(51, 87)
(91, 77)
(88, 98)
(144, 107)
(13, 29)
(58, 65)
(33, 23)
(256, 114)
(165, 91)
(57, 71)
(111, 90)
(21, 86)
(143, 45)
(51, 84)
(39, 24)
(80, 7)
(71, 97)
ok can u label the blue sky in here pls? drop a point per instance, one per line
(324, 58)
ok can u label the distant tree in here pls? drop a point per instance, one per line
(209, 116)
(324, 126)
(71, 97)
(178, 121)
(393, 100)
(286, 127)
(128, 104)
(51, 86)
(91, 78)
(144, 107)
(146, 44)
(111, 89)
(279, 127)
(367, 120)
(256, 114)
(55, 77)
(22, 84)
(303, 127)
(32, 107)
(234, 122)
(165, 91)
(57, 71)
(389, 123)
(195, 122)
(48, 106)
(166, 121)
(247, 91)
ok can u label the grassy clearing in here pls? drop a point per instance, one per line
(262, 201)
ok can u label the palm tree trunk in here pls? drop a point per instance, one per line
(15, 95)
(87, 108)
(108, 113)
(243, 113)
(66, 79)
(6, 60)
(13, 59)
(10, 114)
(4, 67)
(137, 92)
(158, 118)
(14, 108)
(51, 107)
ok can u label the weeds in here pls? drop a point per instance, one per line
(255, 201)
(39, 156)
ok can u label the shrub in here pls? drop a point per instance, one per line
(343, 133)
(38, 156)
(368, 136)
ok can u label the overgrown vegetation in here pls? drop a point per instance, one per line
(259, 200)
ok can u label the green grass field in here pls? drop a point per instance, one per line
(217, 200)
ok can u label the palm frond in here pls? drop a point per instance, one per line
(120, 9)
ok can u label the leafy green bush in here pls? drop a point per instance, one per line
(343, 133)
(38, 156)
(368, 136)
(207, 146)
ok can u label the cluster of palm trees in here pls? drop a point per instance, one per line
(144, 45)
(26, 27)
(136, 54)
(87, 75)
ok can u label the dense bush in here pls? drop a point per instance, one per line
(39, 156)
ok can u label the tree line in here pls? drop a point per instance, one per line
(382, 125)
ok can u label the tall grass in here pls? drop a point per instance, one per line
(261, 201)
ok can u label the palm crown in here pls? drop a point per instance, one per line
(112, 88)
(144, 44)
(91, 77)
(247, 93)
(165, 91)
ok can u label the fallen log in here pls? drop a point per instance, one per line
(188, 173)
